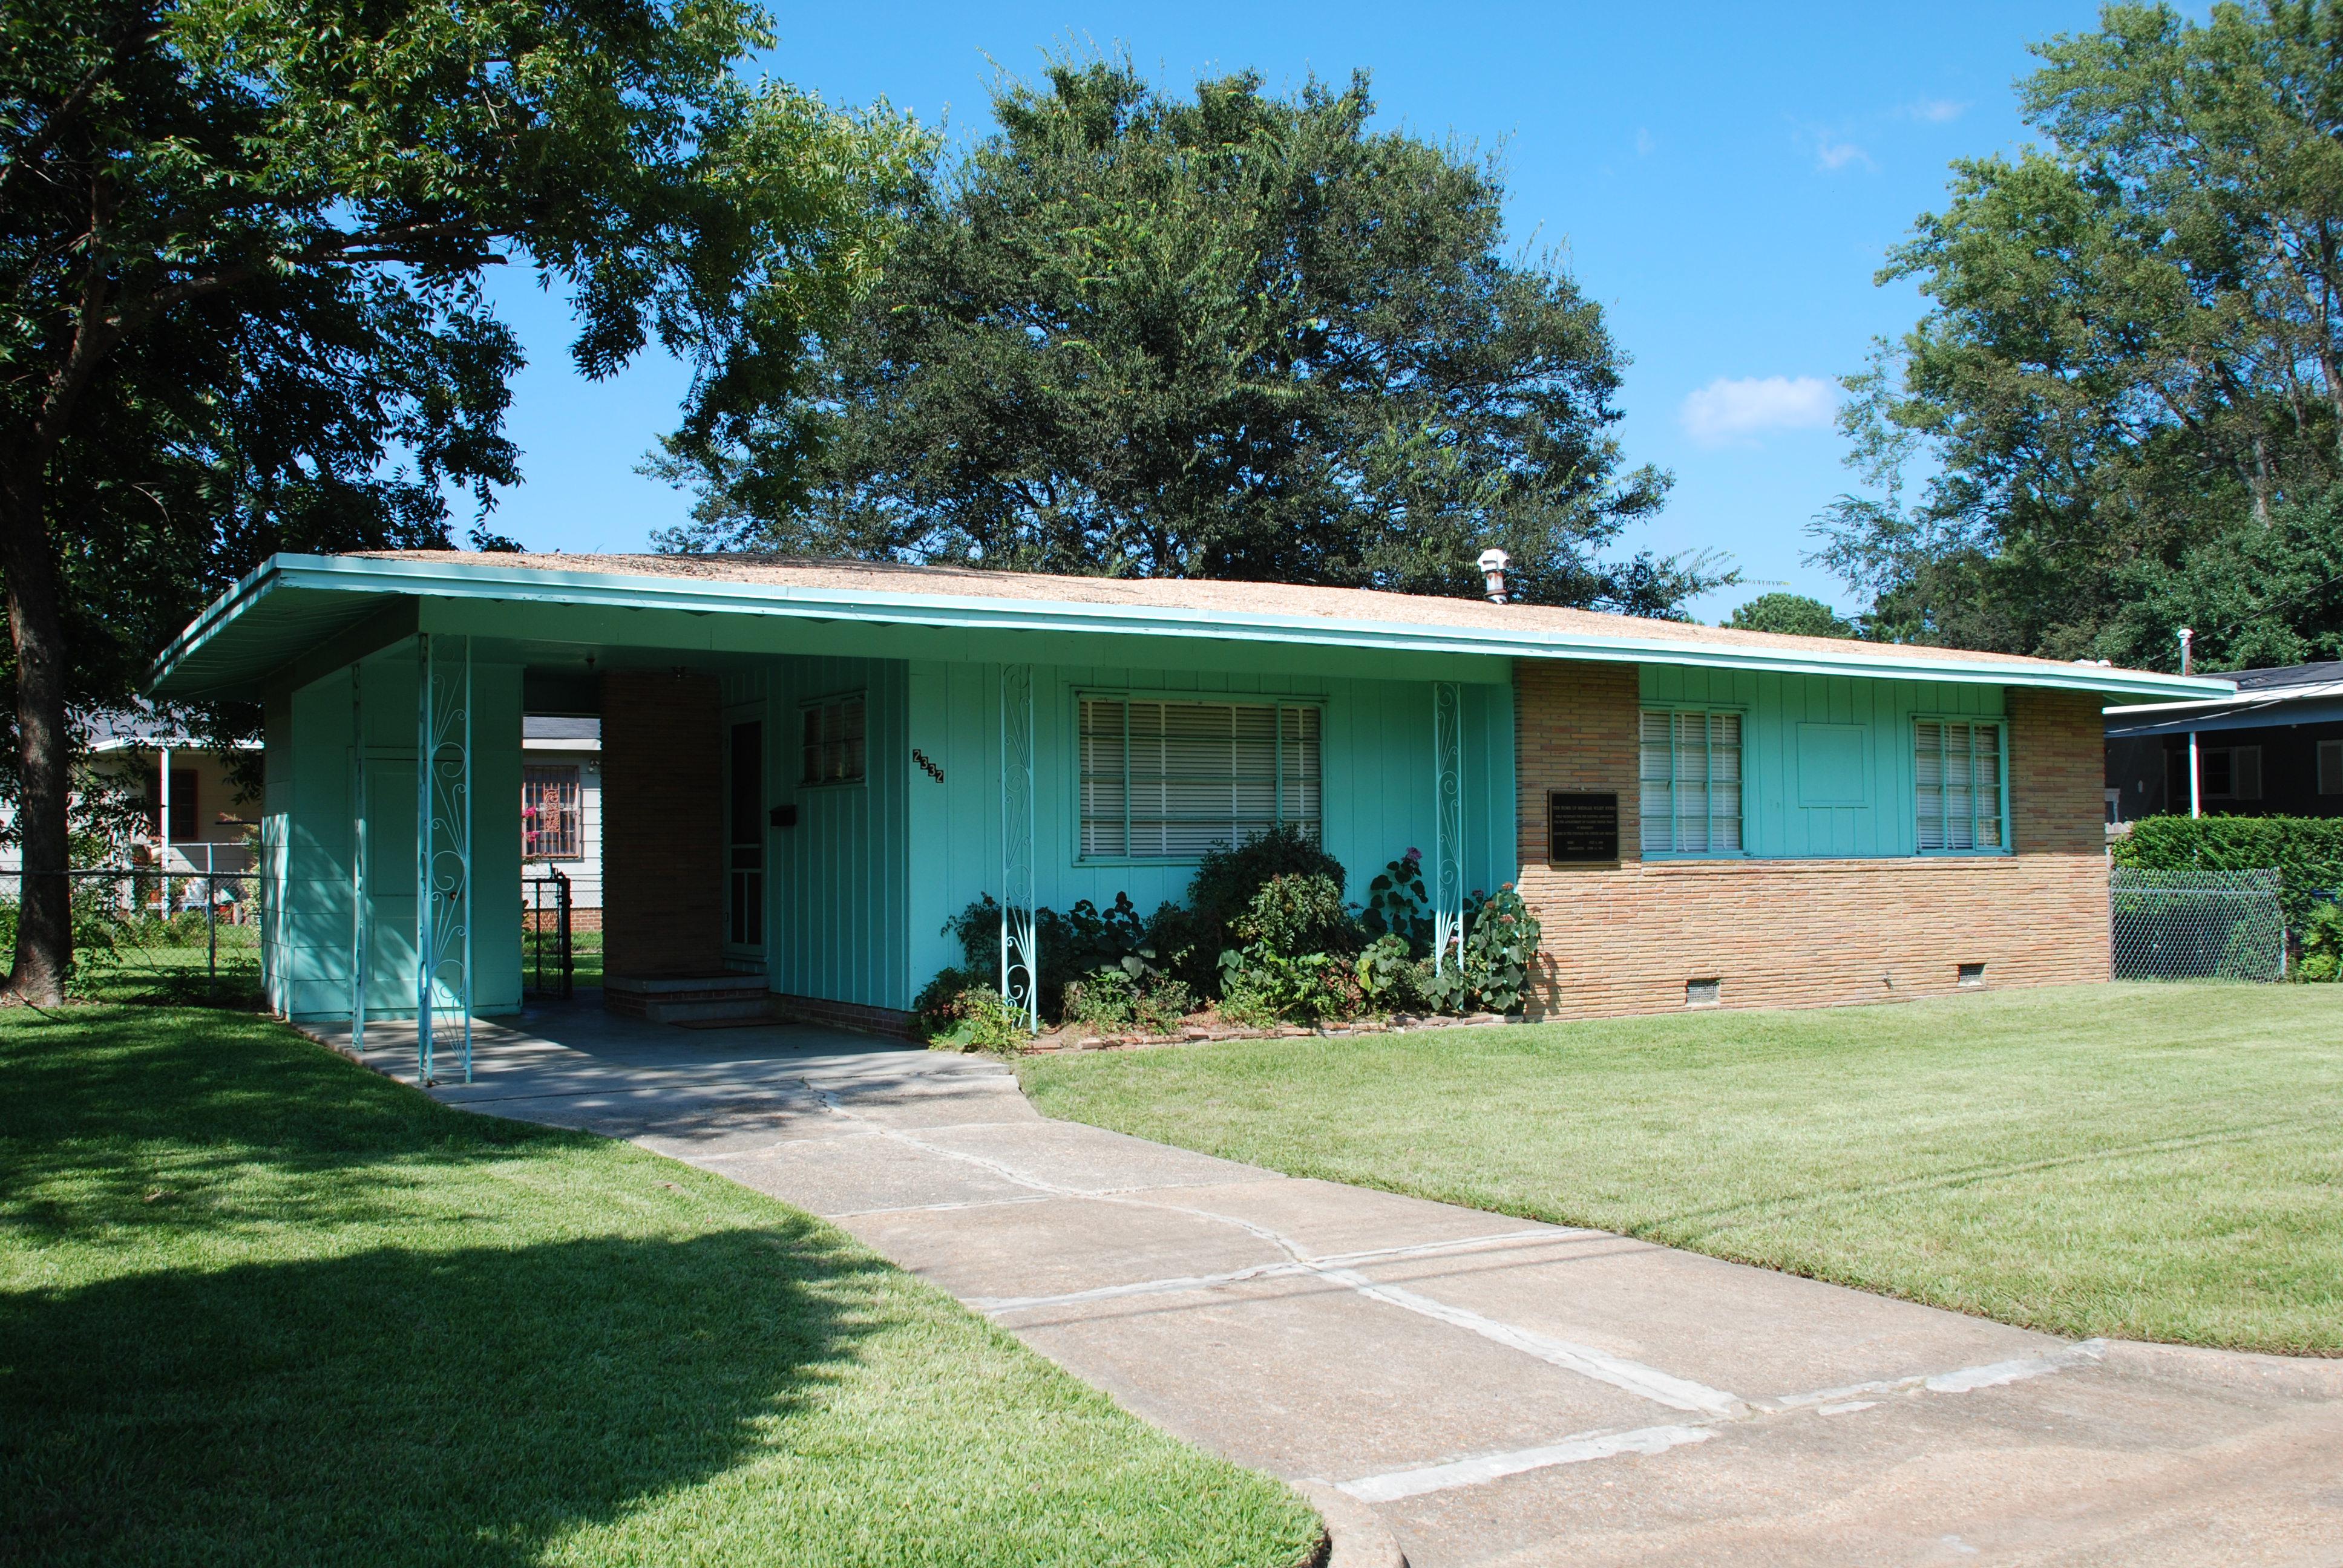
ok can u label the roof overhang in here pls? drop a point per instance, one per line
(2321, 704)
(281, 617)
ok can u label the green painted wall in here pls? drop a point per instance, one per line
(310, 833)
(835, 885)
(1376, 770)
(1826, 760)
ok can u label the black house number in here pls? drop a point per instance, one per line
(931, 770)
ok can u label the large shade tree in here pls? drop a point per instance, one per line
(2130, 377)
(243, 244)
(1231, 334)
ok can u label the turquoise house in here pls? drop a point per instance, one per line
(809, 767)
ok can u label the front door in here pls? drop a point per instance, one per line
(744, 850)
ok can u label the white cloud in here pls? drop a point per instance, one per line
(1936, 111)
(1643, 144)
(1727, 409)
(1830, 153)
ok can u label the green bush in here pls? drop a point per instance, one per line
(2322, 945)
(2306, 851)
(1111, 999)
(1295, 964)
(957, 1011)
(1227, 880)
(1398, 906)
(1500, 942)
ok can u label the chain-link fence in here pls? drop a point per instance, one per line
(2196, 924)
(147, 934)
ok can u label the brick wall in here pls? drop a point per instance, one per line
(1626, 938)
(662, 826)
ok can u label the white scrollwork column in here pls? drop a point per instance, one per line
(1019, 959)
(1447, 821)
(443, 853)
(360, 895)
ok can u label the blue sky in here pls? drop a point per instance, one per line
(1725, 180)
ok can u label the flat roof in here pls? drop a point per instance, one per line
(292, 603)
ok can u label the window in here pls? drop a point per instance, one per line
(1958, 769)
(1691, 783)
(1169, 780)
(549, 824)
(745, 865)
(833, 737)
(2232, 772)
(2330, 767)
(186, 822)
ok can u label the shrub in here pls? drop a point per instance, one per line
(2306, 851)
(957, 1011)
(1112, 1000)
(1398, 906)
(1299, 914)
(1296, 960)
(1500, 942)
(1390, 978)
(2322, 945)
(1226, 881)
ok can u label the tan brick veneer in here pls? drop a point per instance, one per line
(662, 826)
(1791, 933)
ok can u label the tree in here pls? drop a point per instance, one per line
(2134, 347)
(2255, 596)
(1792, 614)
(1236, 335)
(243, 243)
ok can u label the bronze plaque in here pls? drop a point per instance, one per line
(1582, 827)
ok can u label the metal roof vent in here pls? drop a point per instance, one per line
(1492, 572)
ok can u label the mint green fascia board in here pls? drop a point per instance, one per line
(702, 597)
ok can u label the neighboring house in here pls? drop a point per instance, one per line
(193, 817)
(2273, 749)
(561, 811)
(808, 768)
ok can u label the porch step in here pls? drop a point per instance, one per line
(700, 1000)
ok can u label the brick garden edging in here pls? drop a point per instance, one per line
(1066, 1040)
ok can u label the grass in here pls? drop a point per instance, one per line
(260, 1305)
(2157, 1162)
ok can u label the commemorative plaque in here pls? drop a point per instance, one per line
(1582, 827)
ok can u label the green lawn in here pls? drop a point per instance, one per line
(2160, 1162)
(258, 1305)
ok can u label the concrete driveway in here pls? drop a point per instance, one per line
(1497, 1391)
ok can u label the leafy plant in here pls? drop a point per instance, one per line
(1227, 880)
(1500, 942)
(1398, 905)
(2322, 945)
(957, 1011)
(1112, 1000)
(1296, 960)
(1390, 980)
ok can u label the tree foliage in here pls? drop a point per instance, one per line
(1793, 613)
(2133, 358)
(1232, 335)
(243, 241)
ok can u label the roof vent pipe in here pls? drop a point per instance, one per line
(1492, 572)
(2187, 646)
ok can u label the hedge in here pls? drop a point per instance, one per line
(2306, 852)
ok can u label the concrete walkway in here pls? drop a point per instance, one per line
(1498, 1391)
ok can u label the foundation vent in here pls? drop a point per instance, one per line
(1970, 975)
(1703, 992)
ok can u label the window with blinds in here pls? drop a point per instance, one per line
(832, 741)
(1691, 783)
(1958, 769)
(1170, 780)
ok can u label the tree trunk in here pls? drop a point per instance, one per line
(36, 627)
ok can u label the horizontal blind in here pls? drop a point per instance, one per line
(1691, 778)
(1171, 780)
(1956, 777)
(833, 741)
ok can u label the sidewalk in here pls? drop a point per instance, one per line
(1498, 1391)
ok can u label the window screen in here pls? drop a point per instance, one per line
(1957, 765)
(549, 825)
(833, 741)
(1691, 783)
(2233, 772)
(1169, 780)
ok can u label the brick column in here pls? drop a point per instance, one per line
(1575, 728)
(662, 826)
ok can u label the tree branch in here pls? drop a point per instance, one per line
(75, 102)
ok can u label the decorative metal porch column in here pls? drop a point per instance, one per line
(443, 852)
(359, 897)
(1019, 959)
(1447, 821)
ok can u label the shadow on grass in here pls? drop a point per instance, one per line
(402, 1407)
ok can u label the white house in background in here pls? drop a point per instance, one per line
(561, 810)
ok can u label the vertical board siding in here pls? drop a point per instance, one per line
(311, 756)
(1826, 760)
(837, 883)
(1376, 770)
